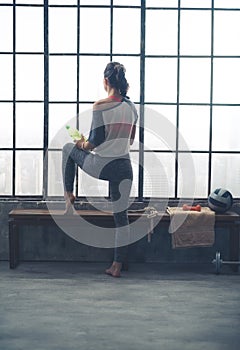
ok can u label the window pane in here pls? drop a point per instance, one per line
(196, 3)
(94, 41)
(125, 40)
(63, 2)
(84, 107)
(161, 80)
(29, 172)
(63, 38)
(159, 131)
(222, 174)
(162, 25)
(29, 125)
(29, 77)
(6, 27)
(159, 175)
(6, 74)
(29, 2)
(127, 2)
(132, 65)
(55, 183)
(226, 125)
(29, 29)
(161, 120)
(59, 116)
(5, 173)
(62, 78)
(168, 111)
(195, 80)
(194, 128)
(226, 26)
(227, 3)
(6, 122)
(90, 187)
(95, 2)
(193, 175)
(197, 40)
(91, 78)
(162, 3)
(226, 76)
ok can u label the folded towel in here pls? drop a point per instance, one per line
(191, 228)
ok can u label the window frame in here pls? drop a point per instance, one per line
(143, 8)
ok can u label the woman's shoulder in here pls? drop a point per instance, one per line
(105, 103)
(102, 104)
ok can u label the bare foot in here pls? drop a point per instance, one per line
(115, 269)
(70, 199)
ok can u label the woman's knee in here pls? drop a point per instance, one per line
(68, 147)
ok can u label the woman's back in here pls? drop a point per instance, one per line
(113, 121)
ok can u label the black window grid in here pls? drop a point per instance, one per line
(110, 56)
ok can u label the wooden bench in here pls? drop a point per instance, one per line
(19, 217)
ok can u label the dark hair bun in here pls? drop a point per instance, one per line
(115, 72)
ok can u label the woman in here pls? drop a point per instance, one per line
(112, 132)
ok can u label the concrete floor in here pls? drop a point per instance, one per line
(63, 306)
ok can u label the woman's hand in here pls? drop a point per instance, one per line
(83, 144)
(79, 143)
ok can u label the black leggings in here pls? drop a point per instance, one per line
(118, 172)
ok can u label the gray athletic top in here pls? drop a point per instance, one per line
(111, 128)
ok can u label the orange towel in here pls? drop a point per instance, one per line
(191, 228)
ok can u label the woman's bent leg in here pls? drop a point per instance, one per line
(68, 167)
(71, 156)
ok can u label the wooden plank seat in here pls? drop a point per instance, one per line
(19, 217)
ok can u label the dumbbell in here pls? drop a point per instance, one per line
(192, 207)
(218, 262)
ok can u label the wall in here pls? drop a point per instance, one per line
(51, 244)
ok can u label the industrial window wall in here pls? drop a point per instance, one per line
(182, 59)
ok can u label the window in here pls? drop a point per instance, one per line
(184, 74)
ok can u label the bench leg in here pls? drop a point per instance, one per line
(13, 245)
(234, 245)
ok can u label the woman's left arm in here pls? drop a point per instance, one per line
(97, 132)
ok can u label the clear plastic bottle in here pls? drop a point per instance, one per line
(74, 133)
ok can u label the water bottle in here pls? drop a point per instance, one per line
(74, 133)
